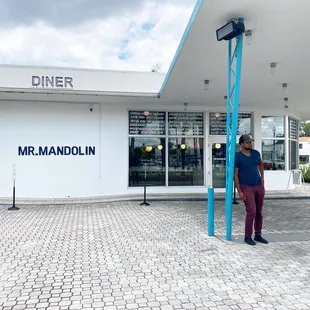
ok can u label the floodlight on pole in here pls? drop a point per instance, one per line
(231, 30)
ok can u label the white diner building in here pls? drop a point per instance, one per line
(73, 132)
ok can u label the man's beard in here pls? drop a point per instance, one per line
(248, 148)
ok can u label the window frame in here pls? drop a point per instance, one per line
(167, 136)
(275, 138)
(296, 140)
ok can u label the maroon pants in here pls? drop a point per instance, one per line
(254, 207)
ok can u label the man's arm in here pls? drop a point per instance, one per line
(237, 185)
(236, 180)
(261, 170)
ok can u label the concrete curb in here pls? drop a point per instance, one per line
(139, 198)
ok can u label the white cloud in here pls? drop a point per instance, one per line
(97, 43)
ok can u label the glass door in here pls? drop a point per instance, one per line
(219, 164)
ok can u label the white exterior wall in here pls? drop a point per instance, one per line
(20, 77)
(56, 124)
(28, 119)
(105, 173)
(305, 150)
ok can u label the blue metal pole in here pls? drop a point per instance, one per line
(231, 132)
(228, 102)
(211, 211)
(228, 133)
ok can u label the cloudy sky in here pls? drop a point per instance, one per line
(105, 34)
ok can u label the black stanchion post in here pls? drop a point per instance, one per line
(235, 202)
(13, 208)
(144, 203)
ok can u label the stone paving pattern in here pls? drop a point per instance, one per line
(119, 255)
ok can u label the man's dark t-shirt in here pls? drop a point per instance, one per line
(248, 168)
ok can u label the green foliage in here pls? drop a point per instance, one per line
(306, 173)
(304, 129)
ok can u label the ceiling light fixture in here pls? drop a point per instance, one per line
(206, 83)
(217, 145)
(273, 68)
(248, 36)
(284, 85)
(286, 103)
(185, 106)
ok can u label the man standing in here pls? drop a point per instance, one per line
(249, 181)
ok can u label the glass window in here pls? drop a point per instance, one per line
(273, 152)
(185, 123)
(272, 127)
(304, 159)
(294, 155)
(294, 145)
(293, 129)
(147, 123)
(147, 151)
(185, 161)
(219, 164)
(146, 161)
(218, 123)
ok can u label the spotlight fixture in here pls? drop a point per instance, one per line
(284, 85)
(232, 29)
(286, 104)
(185, 106)
(206, 83)
(273, 68)
(248, 36)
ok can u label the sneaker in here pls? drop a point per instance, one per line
(259, 238)
(249, 241)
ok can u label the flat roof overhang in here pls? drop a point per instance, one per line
(280, 28)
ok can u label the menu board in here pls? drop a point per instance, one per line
(185, 123)
(218, 123)
(293, 129)
(147, 123)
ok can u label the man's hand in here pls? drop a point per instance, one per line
(263, 181)
(242, 196)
